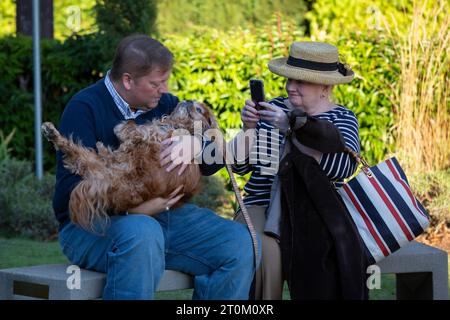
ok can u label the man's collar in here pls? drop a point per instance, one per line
(121, 104)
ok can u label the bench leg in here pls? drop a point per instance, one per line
(415, 286)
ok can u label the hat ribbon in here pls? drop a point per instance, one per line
(318, 66)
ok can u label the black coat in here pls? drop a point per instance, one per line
(322, 254)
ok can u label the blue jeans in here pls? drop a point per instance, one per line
(136, 249)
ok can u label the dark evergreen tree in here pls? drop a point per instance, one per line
(123, 17)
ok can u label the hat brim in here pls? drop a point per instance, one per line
(281, 68)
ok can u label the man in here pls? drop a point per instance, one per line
(139, 245)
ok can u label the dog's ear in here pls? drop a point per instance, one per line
(209, 117)
(181, 111)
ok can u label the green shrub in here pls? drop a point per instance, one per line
(215, 196)
(73, 17)
(122, 17)
(25, 202)
(333, 19)
(11, 170)
(30, 207)
(5, 150)
(218, 66)
(66, 68)
(179, 16)
(370, 95)
(7, 17)
(433, 190)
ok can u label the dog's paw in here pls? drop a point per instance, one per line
(49, 130)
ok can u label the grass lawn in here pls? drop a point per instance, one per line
(17, 252)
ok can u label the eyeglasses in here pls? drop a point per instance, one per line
(158, 85)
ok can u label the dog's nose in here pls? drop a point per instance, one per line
(188, 103)
(199, 109)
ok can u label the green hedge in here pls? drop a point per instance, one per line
(331, 19)
(211, 66)
(215, 67)
(179, 16)
(122, 17)
(66, 68)
(25, 202)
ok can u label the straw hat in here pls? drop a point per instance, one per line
(315, 62)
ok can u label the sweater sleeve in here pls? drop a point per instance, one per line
(77, 122)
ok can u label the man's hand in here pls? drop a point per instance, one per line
(249, 115)
(275, 116)
(179, 151)
(157, 205)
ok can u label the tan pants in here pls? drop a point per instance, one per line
(268, 277)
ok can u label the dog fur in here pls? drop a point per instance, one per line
(115, 181)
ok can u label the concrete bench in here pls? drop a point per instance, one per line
(50, 282)
(421, 272)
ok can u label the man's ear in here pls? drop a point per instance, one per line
(126, 81)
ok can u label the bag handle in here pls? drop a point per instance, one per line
(365, 167)
(251, 228)
(248, 220)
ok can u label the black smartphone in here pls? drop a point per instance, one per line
(257, 91)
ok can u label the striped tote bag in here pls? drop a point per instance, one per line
(380, 202)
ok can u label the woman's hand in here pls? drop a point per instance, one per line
(249, 115)
(179, 151)
(157, 205)
(276, 116)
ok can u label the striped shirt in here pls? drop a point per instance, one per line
(337, 166)
(121, 104)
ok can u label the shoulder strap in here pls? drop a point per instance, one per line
(223, 145)
(365, 167)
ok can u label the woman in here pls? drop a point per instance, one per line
(304, 229)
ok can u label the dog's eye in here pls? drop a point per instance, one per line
(199, 110)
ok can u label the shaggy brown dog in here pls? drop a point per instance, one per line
(115, 181)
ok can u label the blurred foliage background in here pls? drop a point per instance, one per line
(399, 50)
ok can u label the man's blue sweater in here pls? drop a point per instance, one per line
(91, 116)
